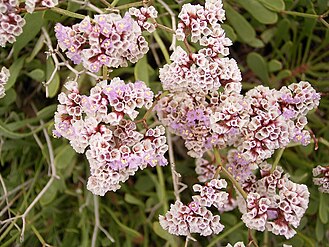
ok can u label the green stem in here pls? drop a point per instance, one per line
(67, 13)
(234, 182)
(266, 239)
(106, 3)
(225, 234)
(219, 162)
(114, 3)
(105, 72)
(129, 5)
(228, 174)
(324, 22)
(252, 239)
(162, 189)
(277, 159)
(149, 111)
(167, 29)
(162, 47)
(324, 141)
(306, 15)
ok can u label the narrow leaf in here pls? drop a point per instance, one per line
(54, 84)
(323, 210)
(14, 70)
(32, 27)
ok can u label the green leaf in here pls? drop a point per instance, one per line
(144, 183)
(50, 194)
(283, 74)
(14, 70)
(133, 200)
(319, 230)
(164, 234)
(256, 43)
(37, 74)
(9, 98)
(323, 210)
(54, 84)
(229, 31)
(64, 157)
(258, 65)
(141, 70)
(259, 12)
(32, 27)
(129, 231)
(274, 65)
(276, 5)
(268, 34)
(37, 48)
(5, 131)
(47, 112)
(242, 27)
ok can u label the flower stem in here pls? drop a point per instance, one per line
(306, 15)
(106, 3)
(277, 159)
(163, 27)
(67, 13)
(266, 239)
(114, 3)
(223, 170)
(105, 72)
(162, 47)
(129, 5)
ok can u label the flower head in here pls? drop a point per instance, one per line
(109, 40)
(99, 124)
(11, 23)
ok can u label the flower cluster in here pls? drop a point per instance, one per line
(198, 73)
(143, 15)
(203, 24)
(195, 217)
(275, 119)
(11, 23)
(256, 124)
(4, 76)
(210, 194)
(115, 149)
(208, 69)
(31, 4)
(182, 220)
(107, 40)
(240, 169)
(321, 178)
(188, 116)
(275, 203)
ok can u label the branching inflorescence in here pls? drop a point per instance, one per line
(103, 124)
(207, 109)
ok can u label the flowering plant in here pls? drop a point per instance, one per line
(131, 96)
